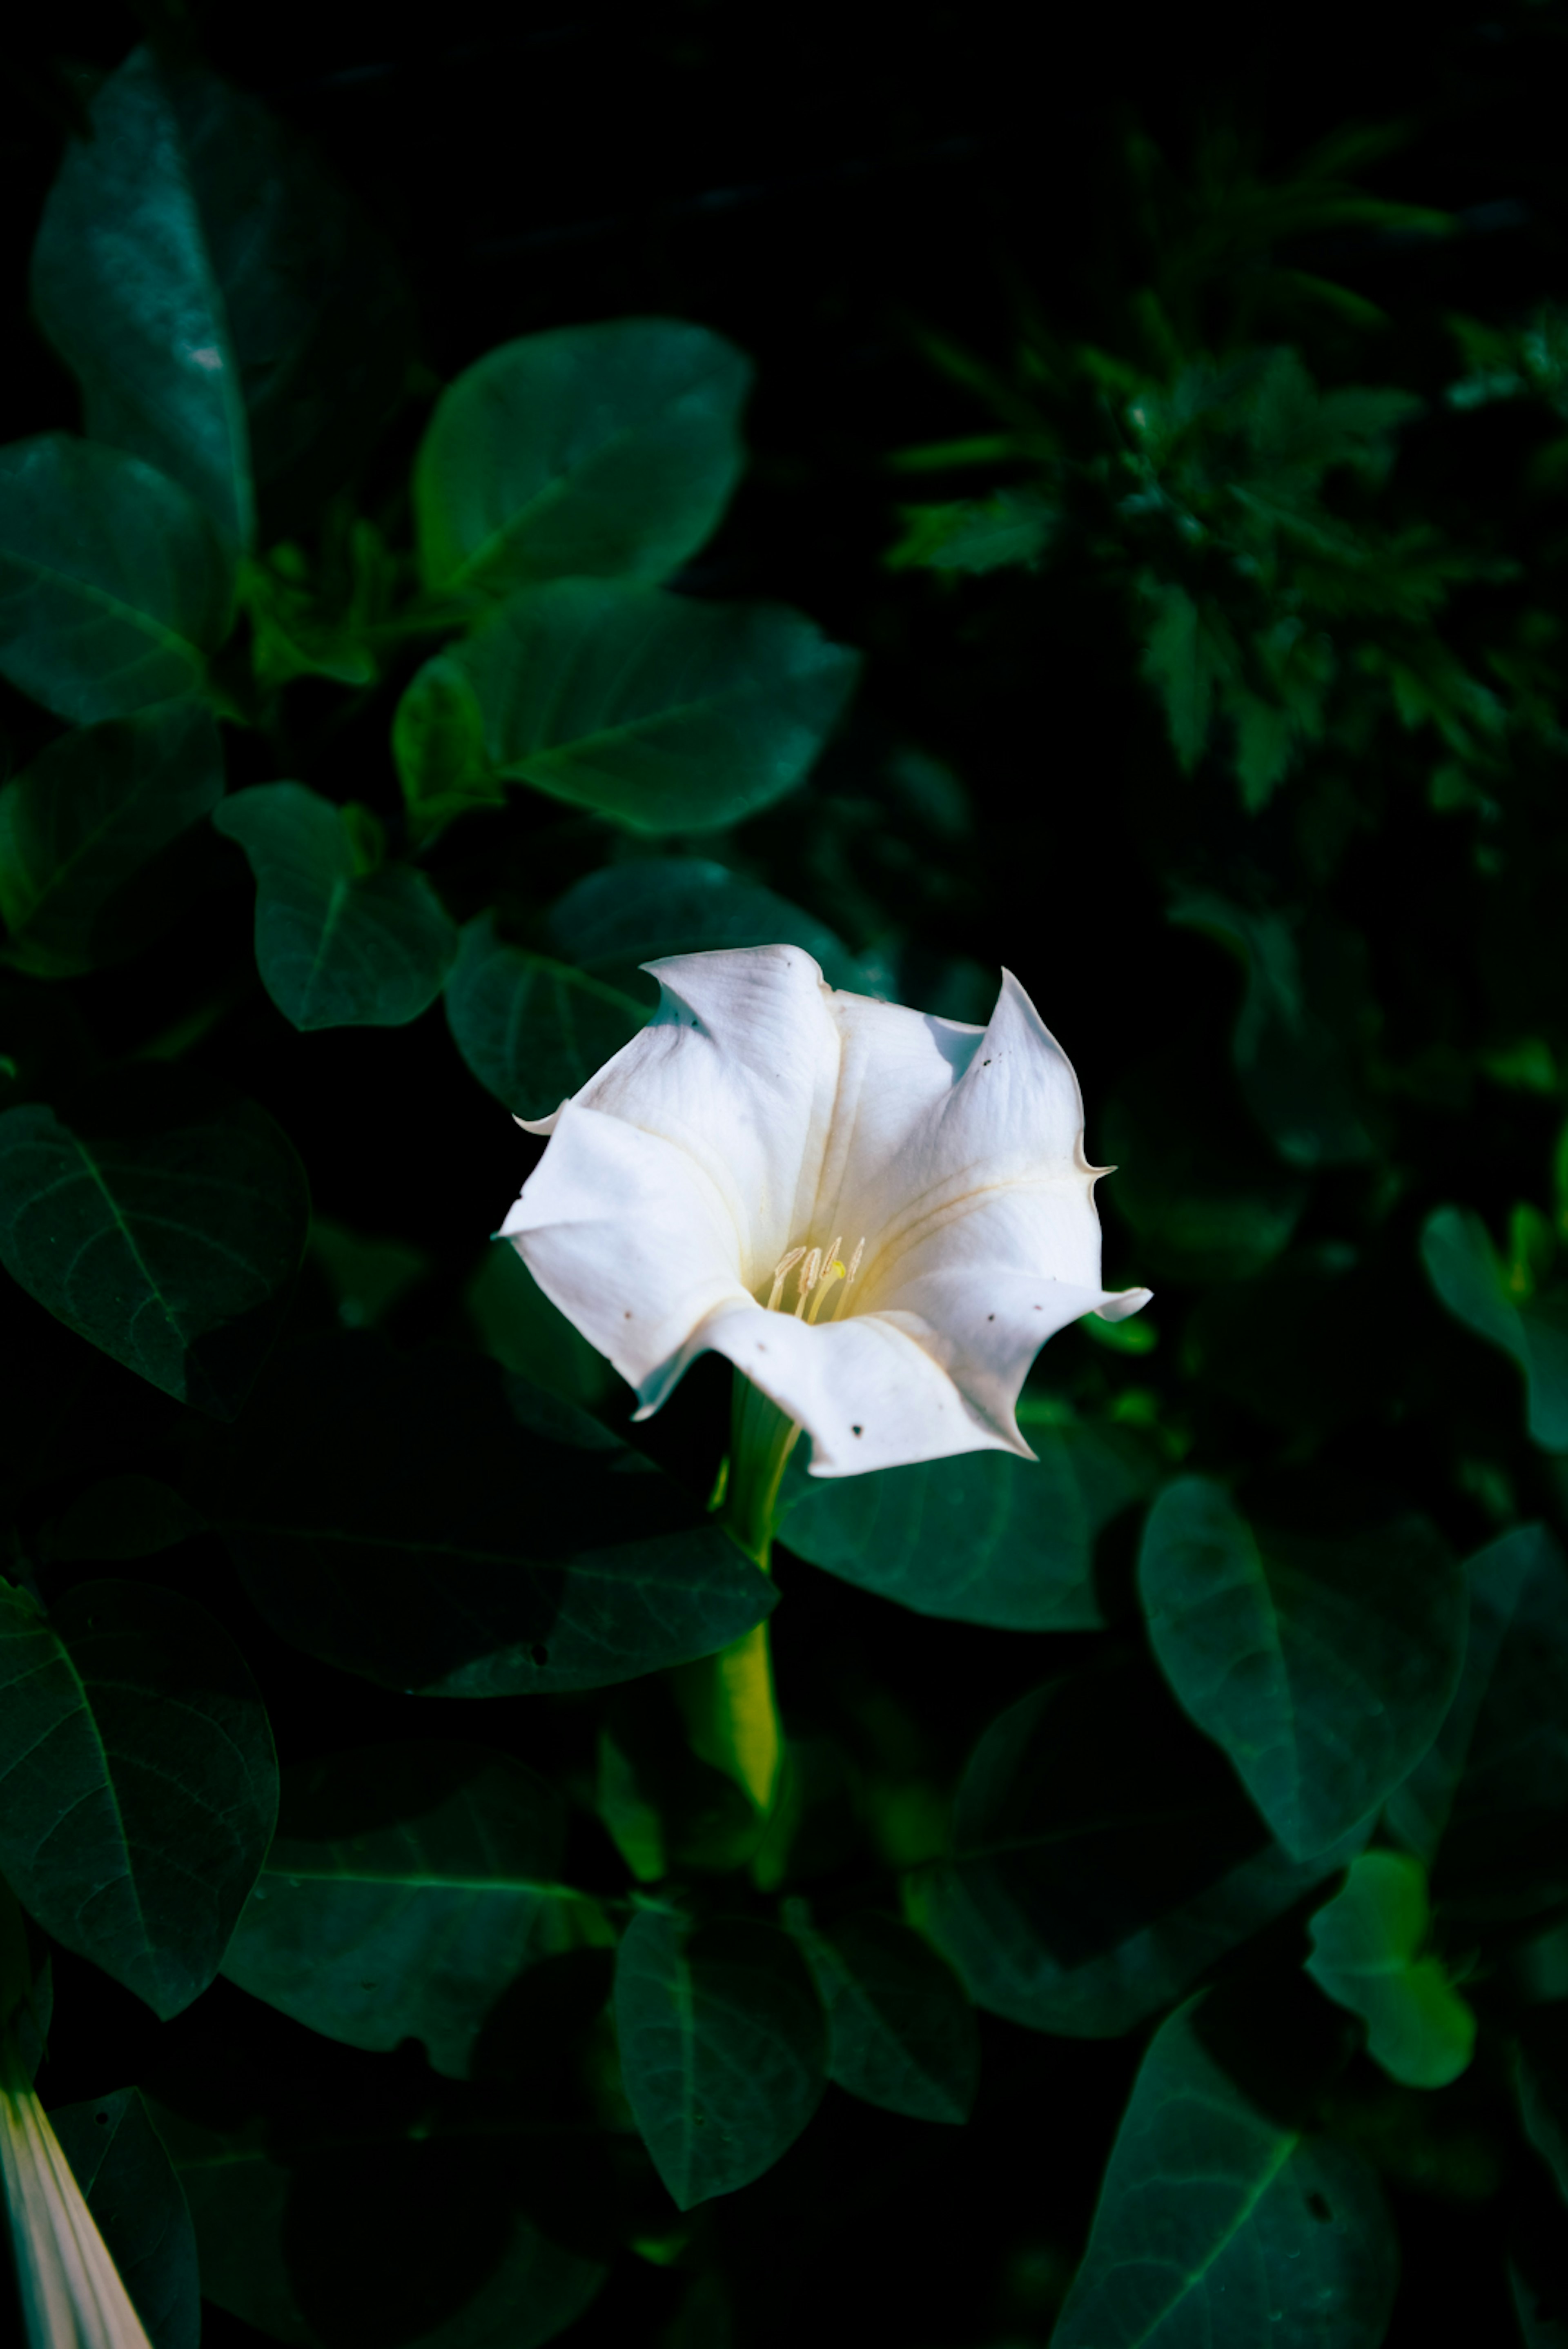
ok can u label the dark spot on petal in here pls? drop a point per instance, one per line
(539, 1654)
(990, 1316)
(857, 1431)
(761, 1348)
(1319, 2208)
(1040, 1308)
(628, 1313)
(985, 1064)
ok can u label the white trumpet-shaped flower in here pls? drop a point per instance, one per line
(879, 1216)
(72, 2295)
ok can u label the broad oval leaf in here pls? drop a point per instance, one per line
(602, 452)
(1104, 1856)
(1323, 1667)
(405, 1520)
(663, 713)
(120, 2161)
(1369, 1954)
(405, 1887)
(337, 946)
(79, 824)
(533, 1030)
(1462, 1267)
(438, 749)
(901, 2031)
(139, 1777)
(113, 587)
(983, 1538)
(614, 920)
(160, 1217)
(1219, 2225)
(722, 2048)
(229, 314)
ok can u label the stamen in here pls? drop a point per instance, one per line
(854, 1260)
(785, 1265)
(835, 1272)
(807, 1281)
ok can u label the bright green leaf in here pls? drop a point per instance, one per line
(1323, 1667)
(1463, 1268)
(1104, 1856)
(984, 1538)
(601, 451)
(1217, 2225)
(113, 587)
(139, 1781)
(230, 316)
(661, 712)
(79, 825)
(161, 1217)
(533, 1030)
(337, 946)
(404, 1520)
(901, 2031)
(723, 2047)
(119, 2160)
(405, 1887)
(1368, 1946)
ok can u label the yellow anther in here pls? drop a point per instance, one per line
(835, 1272)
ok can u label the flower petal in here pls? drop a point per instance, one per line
(985, 1328)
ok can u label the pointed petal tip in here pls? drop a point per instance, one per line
(1122, 1304)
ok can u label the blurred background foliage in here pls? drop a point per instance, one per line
(1110, 492)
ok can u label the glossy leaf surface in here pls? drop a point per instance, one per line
(901, 2031)
(533, 1030)
(119, 2160)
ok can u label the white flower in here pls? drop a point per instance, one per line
(72, 2296)
(878, 1216)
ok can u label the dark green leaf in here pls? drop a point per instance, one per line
(602, 452)
(1219, 2225)
(230, 316)
(160, 1217)
(337, 945)
(1323, 1667)
(515, 1322)
(1463, 1268)
(119, 2160)
(533, 1030)
(1369, 1954)
(79, 825)
(398, 1518)
(139, 1782)
(437, 748)
(121, 1517)
(983, 1538)
(405, 1887)
(722, 2048)
(113, 587)
(1203, 1210)
(623, 915)
(666, 714)
(1104, 1856)
(423, 2241)
(901, 2031)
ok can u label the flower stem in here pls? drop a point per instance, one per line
(728, 1700)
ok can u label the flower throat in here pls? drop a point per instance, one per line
(818, 1275)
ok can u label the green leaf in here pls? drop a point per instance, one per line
(420, 1523)
(121, 1517)
(601, 451)
(533, 1030)
(901, 2031)
(79, 824)
(724, 2048)
(437, 748)
(1205, 1207)
(983, 1538)
(337, 945)
(516, 1323)
(623, 915)
(113, 587)
(1104, 1856)
(119, 2160)
(1217, 2224)
(1463, 1268)
(417, 2239)
(139, 1781)
(1489, 1803)
(368, 1277)
(1189, 651)
(1011, 526)
(1290, 1064)
(406, 1887)
(1368, 1945)
(1323, 1667)
(230, 316)
(161, 1217)
(663, 713)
